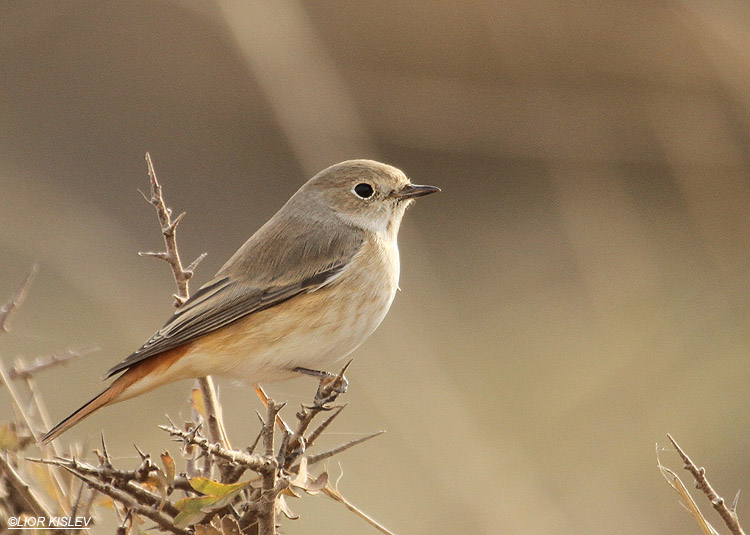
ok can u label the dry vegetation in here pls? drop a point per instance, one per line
(211, 489)
(728, 513)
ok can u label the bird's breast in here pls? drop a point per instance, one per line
(311, 330)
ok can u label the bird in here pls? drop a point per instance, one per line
(304, 291)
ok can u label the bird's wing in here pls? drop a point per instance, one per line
(270, 268)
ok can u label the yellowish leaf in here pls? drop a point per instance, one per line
(199, 404)
(214, 488)
(169, 467)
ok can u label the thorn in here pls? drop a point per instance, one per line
(125, 520)
(191, 268)
(251, 449)
(20, 294)
(169, 229)
(322, 427)
(160, 255)
(193, 432)
(346, 367)
(105, 454)
(282, 448)
(312, 459)
(144, 456)
(734, 502)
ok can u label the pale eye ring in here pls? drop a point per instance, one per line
(363, 190)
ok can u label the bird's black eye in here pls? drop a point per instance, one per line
(364, 190)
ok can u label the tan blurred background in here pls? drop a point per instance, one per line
(580, 288)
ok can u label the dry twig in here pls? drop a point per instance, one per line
(728, 514)
(193, 438)
(22, 489)
(26, 371)
(147, 489)
(20, 294)
(21, 408)
(165, 522)
(182, 277)
(269, 489)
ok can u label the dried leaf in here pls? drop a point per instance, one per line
(230, 526)
(11, 439)
(169, 467)
(318, 484)
(334, 494)
(284, 508)
(199, 404)
(158, 481)
(105, 501)
(303, 480)
(676, 483)
(206, 529)
(43, 478)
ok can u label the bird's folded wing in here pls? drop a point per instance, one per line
(260, 281)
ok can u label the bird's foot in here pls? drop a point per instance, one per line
(331, 386)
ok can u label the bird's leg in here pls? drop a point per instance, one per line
(313, 373)
(330, 387)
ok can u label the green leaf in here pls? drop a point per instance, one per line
(191, 510)
(214, 488)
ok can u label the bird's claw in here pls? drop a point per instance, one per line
(331, 387)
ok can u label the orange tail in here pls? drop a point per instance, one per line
(142, 377)
(102, 400)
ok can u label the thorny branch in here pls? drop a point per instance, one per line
(193, 438)
(20, 294)
(182, 277)
(728, 514)
(169, 231)
(131, 503)
(22, 489)
(269, 474)
(219, 507)
(25, 371)
(30, 410)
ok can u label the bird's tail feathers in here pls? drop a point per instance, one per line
(102, 400)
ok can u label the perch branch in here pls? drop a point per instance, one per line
(269, 490)
(252, 461)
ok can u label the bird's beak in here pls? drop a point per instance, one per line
(414, 190)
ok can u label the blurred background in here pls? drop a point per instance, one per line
(580, 288)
